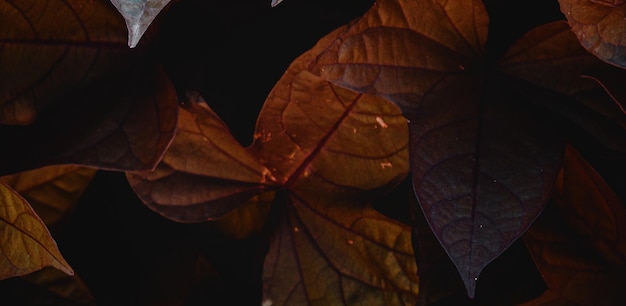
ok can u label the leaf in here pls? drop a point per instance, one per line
(600, 27)
(551, 58)
(339, 256)
(326, 152)
(276, 2)
(64, 44)
(51, 191)
(138, 15)
(205, 173)
(130, 134)
(26, 243)
(73, 66)
(334, 150)
(482, 164)
(578, 243)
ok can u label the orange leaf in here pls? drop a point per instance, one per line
(26, 243)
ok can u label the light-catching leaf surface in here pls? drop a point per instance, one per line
(51, 191)
(600, 26)
(327, 151)
(329, 247)
(25, 242)
(482, 165)
(138, 15)
(579, 242)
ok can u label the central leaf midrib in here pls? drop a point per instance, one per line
(321, 144)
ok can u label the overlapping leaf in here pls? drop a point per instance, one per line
(482, 167)
(25, 241)
(600, 26)
(205, 173)
(327, 151)
(578, 243)
(138, 16)
(64, 44)
(51, 191)
(551, 58)
(80, 74)
(330, 248)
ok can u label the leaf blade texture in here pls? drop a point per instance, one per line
(204, 174)
(51, 191)
(599, 27)
(465, 129)
(26, 242)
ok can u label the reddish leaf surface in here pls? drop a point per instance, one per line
(482, 167)
(579, 243)
(600, 26)
(327, 151)
(80, 73)
(205, 174)
(51, 191)
(330, 248)
(26, 244)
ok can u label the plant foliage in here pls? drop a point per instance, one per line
(412, 153)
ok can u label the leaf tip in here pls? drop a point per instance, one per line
(276, 2)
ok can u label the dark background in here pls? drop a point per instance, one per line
(233, 52)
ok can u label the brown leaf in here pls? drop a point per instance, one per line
(65, 58)
(63, 44)
(328, 152)
(204, 174)
(51, 191)
(325, 254)
(126, 129)
(482, 167)
(578, 243)
(334, 150)
(138, 16)
(26, 244)
(600, 26)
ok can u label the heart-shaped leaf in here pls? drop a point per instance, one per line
(600, 26)
(482, 165)
(26, 243)
(138, 15)
(578, 243)
(51, 191)
(327, 152)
